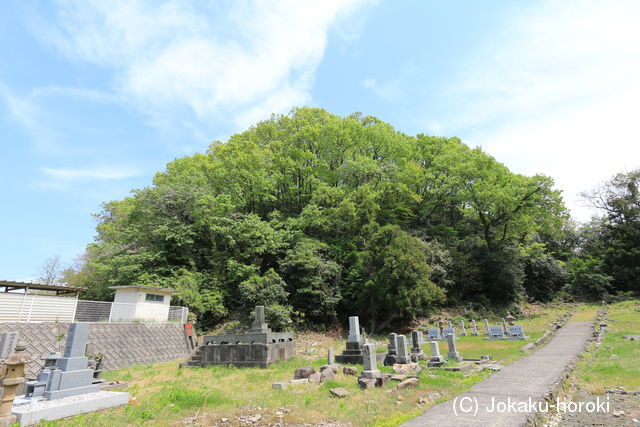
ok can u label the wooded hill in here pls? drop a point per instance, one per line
(318, 217)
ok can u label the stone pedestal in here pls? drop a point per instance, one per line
(403, 351)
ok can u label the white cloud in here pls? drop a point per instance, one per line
(557, 91)
(387, 90)
(239, 60)
(102, 173)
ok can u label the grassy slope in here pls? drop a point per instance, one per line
(167, 394)
(599, 371)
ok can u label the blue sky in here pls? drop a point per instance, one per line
(95, 97)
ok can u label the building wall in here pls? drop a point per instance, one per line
(122, 344)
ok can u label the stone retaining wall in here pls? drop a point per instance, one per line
(123, 344)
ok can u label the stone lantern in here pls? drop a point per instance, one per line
(11, 377)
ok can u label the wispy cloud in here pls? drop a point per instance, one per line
(556, 91)
(100, 173)
(238, 61)
(387, 90)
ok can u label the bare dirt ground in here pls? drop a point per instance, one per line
(623, 410)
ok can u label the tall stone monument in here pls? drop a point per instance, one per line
(68, 375)
(416, 349)
(353, 352)
(370, 370)
(474, 328)
(463, 330)
(392, 350)
(403, 353)
(453, 351)
(436, 358)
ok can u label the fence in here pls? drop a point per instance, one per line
(42, 308)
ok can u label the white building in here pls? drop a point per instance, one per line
(141, 303)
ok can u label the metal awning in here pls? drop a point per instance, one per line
(8, 286)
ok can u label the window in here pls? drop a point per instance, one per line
(154, 298)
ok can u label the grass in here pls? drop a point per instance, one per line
(615, 362)
(167, 394)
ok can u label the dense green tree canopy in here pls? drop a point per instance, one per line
(318, 216)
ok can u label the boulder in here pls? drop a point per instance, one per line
(327, 375)
(303, 372)
(409, 382)
(350, 370)
(366, 383)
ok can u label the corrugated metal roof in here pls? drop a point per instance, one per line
(39, 287)
(148, 288)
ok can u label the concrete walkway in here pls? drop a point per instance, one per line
(526, 380)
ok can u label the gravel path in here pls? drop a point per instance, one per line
(508, 397)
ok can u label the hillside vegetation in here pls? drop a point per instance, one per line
(318, 217)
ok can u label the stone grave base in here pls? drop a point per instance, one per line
(32, 413)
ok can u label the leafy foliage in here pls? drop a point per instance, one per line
(318, 216)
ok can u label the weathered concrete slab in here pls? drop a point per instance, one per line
(68, 406)
(526, 380)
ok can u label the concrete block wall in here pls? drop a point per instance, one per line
(123, 344)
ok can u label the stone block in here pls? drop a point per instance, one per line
(350, 370)
(409, 383)
(280, 386)
(327, 375)
(304, 372)
(339, 392)
(315, 378)
(300, 381)
(366, 383)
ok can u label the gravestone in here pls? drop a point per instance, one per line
(8, 342)
(354, 329)
(516, 332)
(370, 370)
(450, 326)
(68, 375)
(353, 351)
(495, 333)
(392, 352)
(436, 358)
(403, 353)
(420, 338)
(416, 350)
(434, 334)
(331, 359)
(486, 327)
(453, 351)
(504, 326)
(463, 330)
(449, 331)
(474, 330)
(258, 347)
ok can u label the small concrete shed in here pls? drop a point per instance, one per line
(142, 303)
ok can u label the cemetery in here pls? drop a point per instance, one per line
(404, 373)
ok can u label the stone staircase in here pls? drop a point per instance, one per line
(194, 359)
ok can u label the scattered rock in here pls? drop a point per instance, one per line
(399, 377)
(350, 370)
(280, 386)
(299, 381)
(335, 368)
(408, 368)
(249, 419)
(614, 356)
(382, 380)
(339, 392)
(398, 402)
(618, 413)
(409, 382)
(304, 372)
(366, 383)
(224, 420)
(493, 367)
(423, 401)
(327, 375)
(632, 337)
(315, 378)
